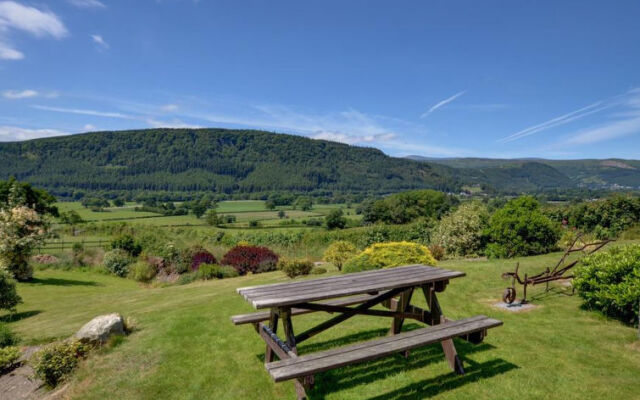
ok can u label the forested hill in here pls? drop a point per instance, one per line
(588, 173)
(184, 161)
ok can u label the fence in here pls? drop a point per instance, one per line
(61, 244)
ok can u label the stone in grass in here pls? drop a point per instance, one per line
(99, 329)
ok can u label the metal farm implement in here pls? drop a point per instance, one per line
(557, 273)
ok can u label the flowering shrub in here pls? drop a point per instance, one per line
(339, 252)
(117, 262)
(21, 230)
(461, 233)
(251, 259)
(387, 255)
(201, 257)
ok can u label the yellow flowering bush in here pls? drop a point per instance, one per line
(388, 255)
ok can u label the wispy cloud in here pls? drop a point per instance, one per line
(17, 17)
(100, 42)
(442, 103)
(89, 127)
(95, 113)
(175, 123)
(169, 107)
(14, 133)
(19, 94)
(87, 3)
(616, 102)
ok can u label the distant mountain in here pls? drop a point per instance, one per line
(589, 173)
(184, 161)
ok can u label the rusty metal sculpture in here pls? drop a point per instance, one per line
(557, 273)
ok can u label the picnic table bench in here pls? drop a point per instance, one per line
(393, 288)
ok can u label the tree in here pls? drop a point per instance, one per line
(281, 214)
(21, 230)
(304, 203)
(521, 229)
(270, 204)
(9, 298)
(335, 219)
(462, 232)
(339, 252)
(23, 194)
(118, 202)
(199, 209)
(71, 217)
(405, 207)
(212, 218)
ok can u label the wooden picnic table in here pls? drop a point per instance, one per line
(393, 288)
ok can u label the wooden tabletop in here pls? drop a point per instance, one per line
(291, 293)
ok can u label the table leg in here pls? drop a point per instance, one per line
(301, 384)
(273, 325)
(437, 317)
(401, 306)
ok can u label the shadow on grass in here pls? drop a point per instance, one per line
(62, 282)
(553, 292)
(18, 316)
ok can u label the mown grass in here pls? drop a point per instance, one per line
(185, 346)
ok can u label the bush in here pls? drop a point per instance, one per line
(339, 252)
(213, 271)
(127, 243)
(335, 219)
(251, 259)
(318, 271)
(56, 361)
(142, 271)
(293, 268)
(521, 229)
(8, 357)
(461, 233)
(7, 337)
(201, 257)
(9, 298)
(188, 278)
(387, 255)
(117, 262)
(609, 281)
(437, 251)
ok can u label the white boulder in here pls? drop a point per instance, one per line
(100, 328)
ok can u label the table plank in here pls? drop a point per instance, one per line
(284, 294)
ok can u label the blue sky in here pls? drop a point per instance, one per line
(435, 78)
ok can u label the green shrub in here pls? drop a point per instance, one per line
(609, 281)
(318, 271)
(339, 252)
(142, 271)
(461, 233)
(293, 268)
(188, 278)
(117, 262)
(127, 243)
(387, 255)
(8, 357)
(521, 229)
(335, 219)
(7, 337)
(56, 361)
(213, 271)
(9, 298)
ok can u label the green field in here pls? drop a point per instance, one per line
(185, 346)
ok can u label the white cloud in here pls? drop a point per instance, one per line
(19, 94)
(87, 3)
(100, 42)
(606, 132)
(89, 127)
(14, 133)
(18, 17)
(176, 123)
(95, 113)
(169, 107)
(442, 103)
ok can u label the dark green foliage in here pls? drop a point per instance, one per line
(56, 361)
(38, 199)
(71, 217)
(9, 298)
(609, 281)
(607, 217)
(281, 214)
(254, 223)
(7, 337)
(521, 229)
(293, 268)
(212, 218)
(405, 207)
(211, 271)
(335, 219)
(182, 161)
(127, 243)
(303, 203)
(94, 203)
(118, 202)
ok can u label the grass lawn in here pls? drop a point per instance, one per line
(187, 348)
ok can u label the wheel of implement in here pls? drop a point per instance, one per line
(509, 295)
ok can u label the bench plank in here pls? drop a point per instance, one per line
(261, 316)
(336, 358)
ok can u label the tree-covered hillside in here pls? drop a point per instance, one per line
(183, 161)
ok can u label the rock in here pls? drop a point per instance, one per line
(100, 328)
